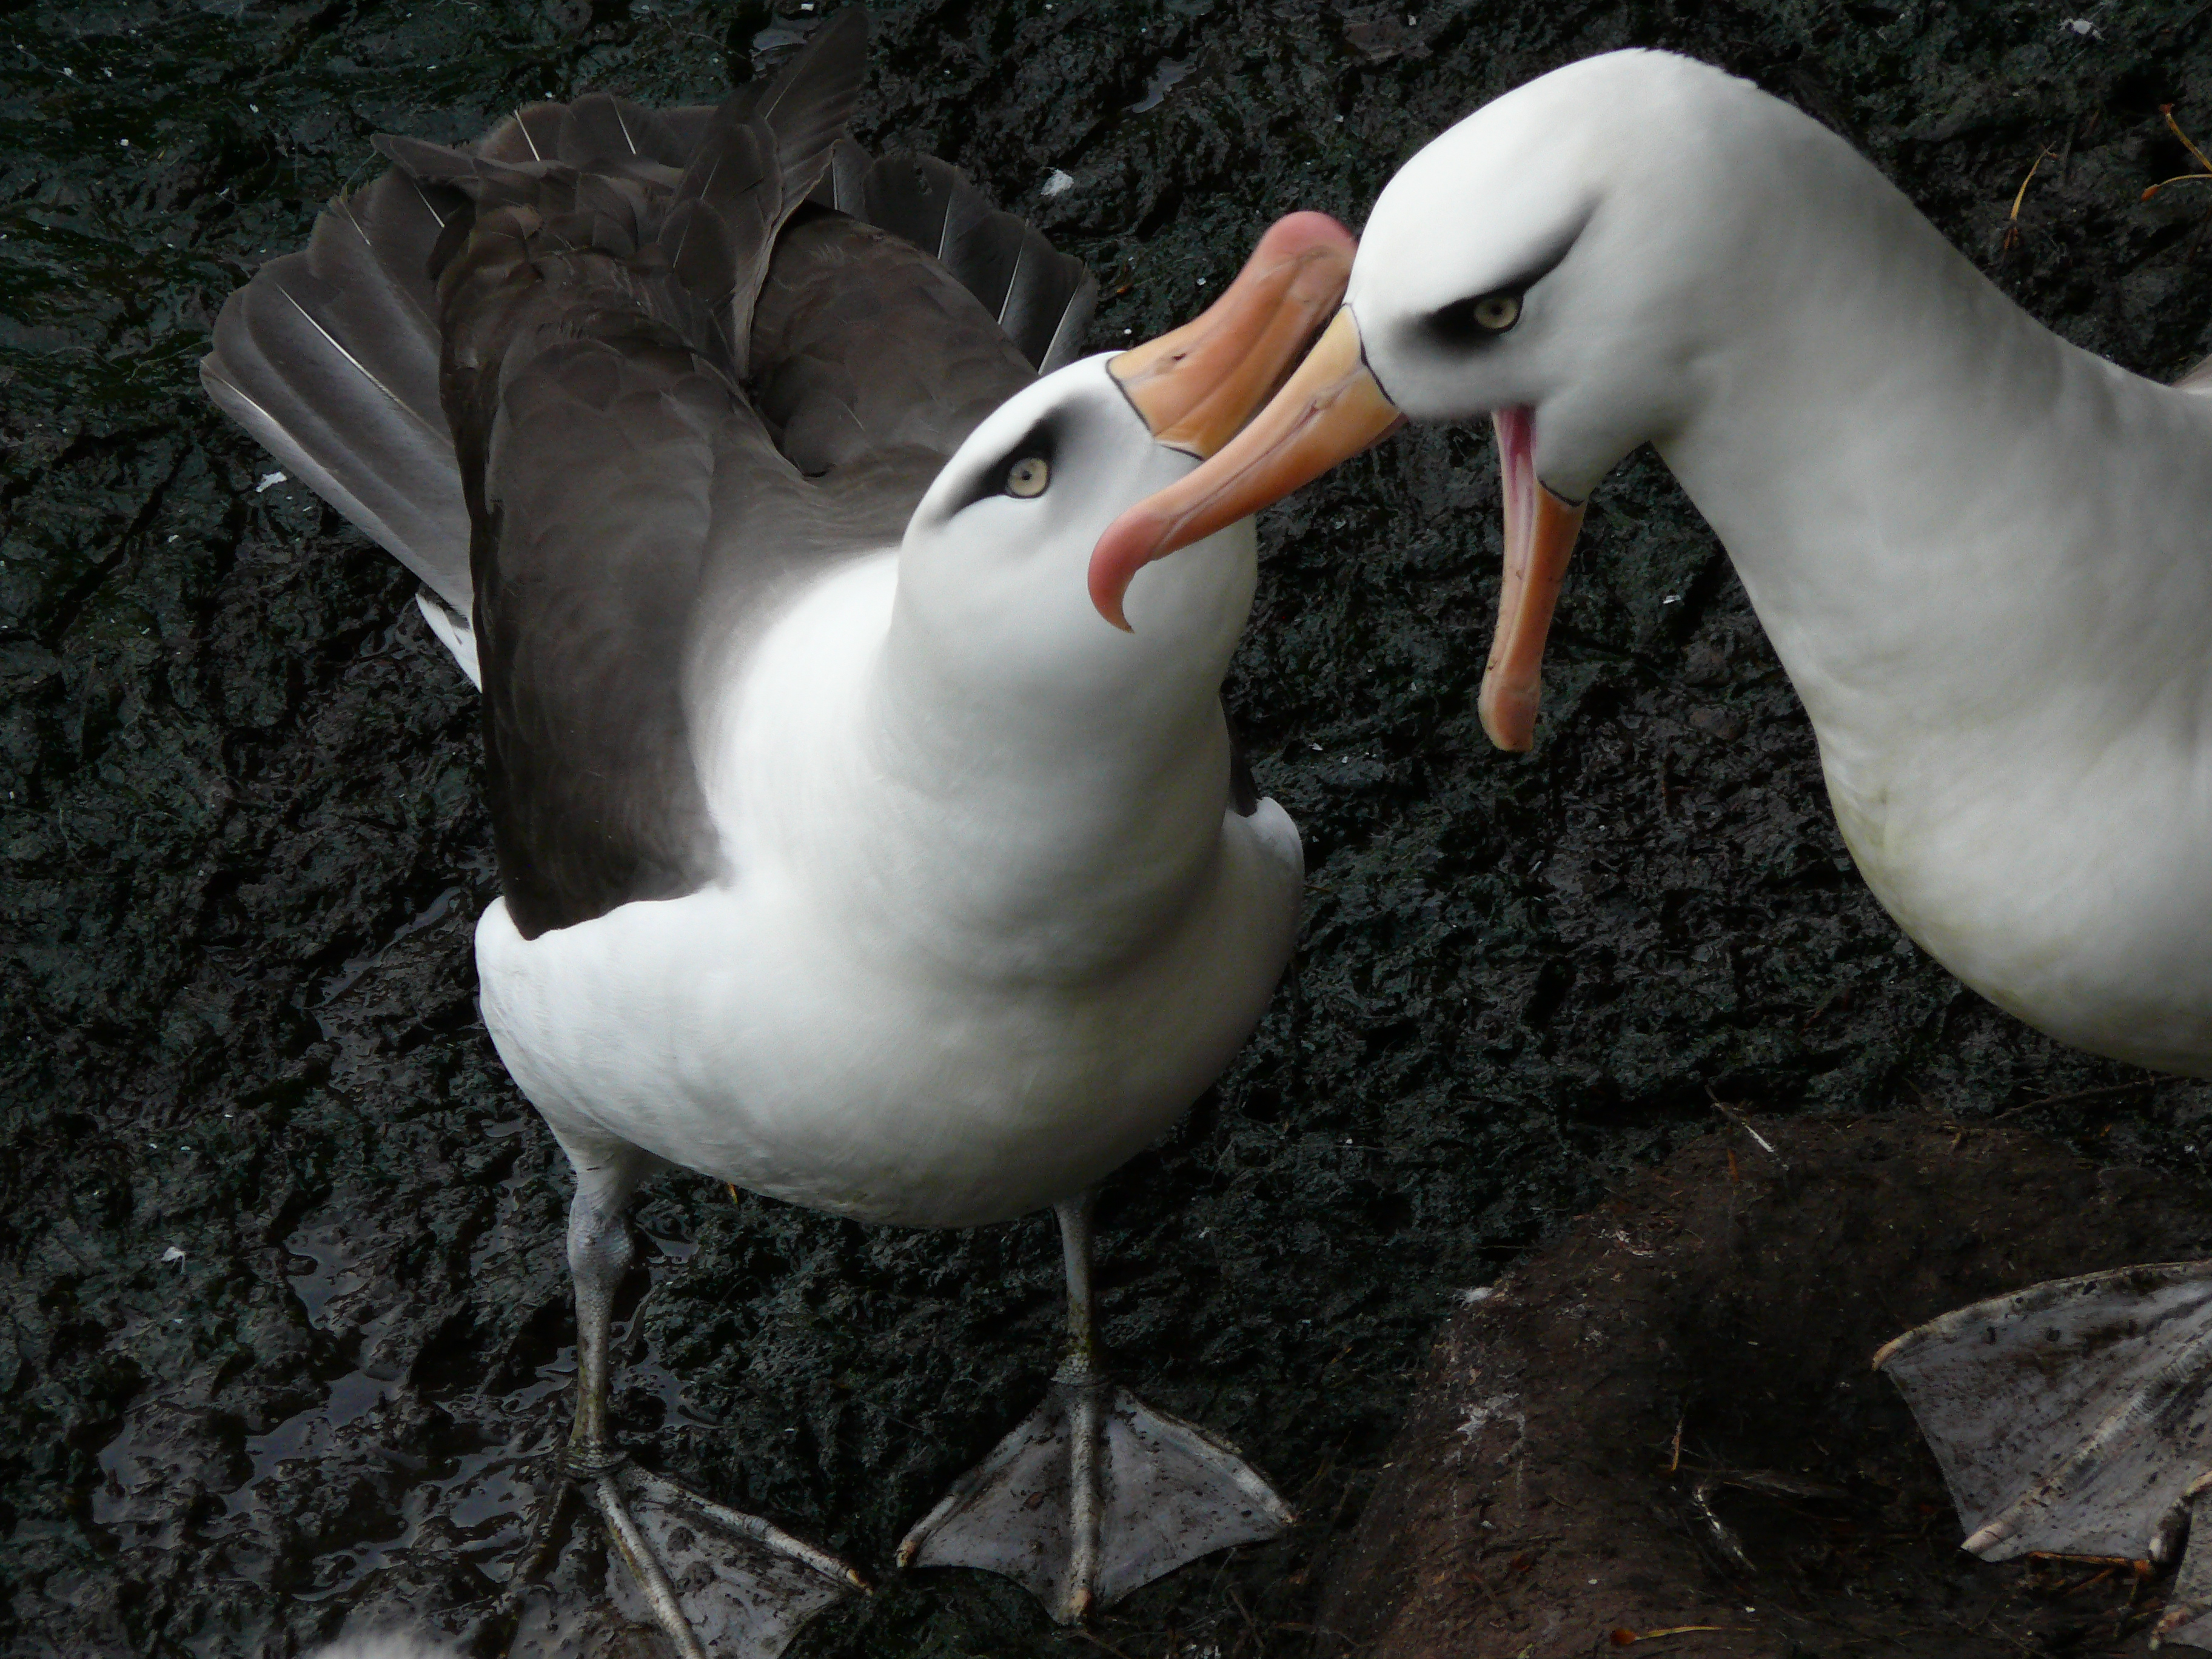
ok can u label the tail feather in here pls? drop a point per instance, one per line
(532, 133)
(1049, 303)
(843, 183)
(762, 155)
(330, 358)
(597, 128)
(811, 103)
(1043, 299)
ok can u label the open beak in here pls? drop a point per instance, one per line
(1197, 385)
(1330, 409)
(1540, 536)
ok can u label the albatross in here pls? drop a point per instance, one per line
(845, 854)
(1983, 556)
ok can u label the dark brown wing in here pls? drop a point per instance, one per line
(574, 433)
(596, 316)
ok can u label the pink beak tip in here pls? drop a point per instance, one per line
(1107, 592)
(1305, 232)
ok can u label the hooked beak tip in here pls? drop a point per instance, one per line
(1113, 565)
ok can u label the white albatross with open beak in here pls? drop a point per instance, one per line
(1984, 557)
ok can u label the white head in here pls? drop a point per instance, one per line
(1571, 260)
(992, 595)
(1558, 251)
(992, 568)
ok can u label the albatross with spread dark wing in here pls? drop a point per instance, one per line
(845, 852)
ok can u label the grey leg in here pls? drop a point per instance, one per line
(702, 1569)
(600, 1253)
(1087, 1386)
(1096, 1493)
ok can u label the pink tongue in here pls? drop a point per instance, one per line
(1516, 466)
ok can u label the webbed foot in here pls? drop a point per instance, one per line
(1094, 1495)
(703, 1572)
(714, 1578)
(2076, 1417)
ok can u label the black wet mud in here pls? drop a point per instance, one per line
(285, 1319)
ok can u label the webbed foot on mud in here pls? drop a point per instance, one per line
(710, 1577)
(715, 1579)
(2076, 1417)
(1095, 1493)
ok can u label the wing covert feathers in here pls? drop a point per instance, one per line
(563, 374)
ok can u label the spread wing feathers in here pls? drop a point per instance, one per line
(809, 104)
(760, 159)
(694, 207)
(329, 357)
(587, 570)
(843, 184)
(869, 346)
(595, 307)
(1042, 300)
(550, 372)
(2072, 1415)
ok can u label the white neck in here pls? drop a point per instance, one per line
(1111, 792)
(1984, 557)
(1027, 839)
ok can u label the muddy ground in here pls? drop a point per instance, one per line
(284, 1315)
(1662, 1433)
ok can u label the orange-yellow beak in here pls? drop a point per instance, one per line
(1197, 385)
(1541, 529)
(1331, 408)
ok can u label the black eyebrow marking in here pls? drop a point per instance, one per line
(1040, 442)
(1454, 325)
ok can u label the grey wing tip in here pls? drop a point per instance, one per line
(1067, 339)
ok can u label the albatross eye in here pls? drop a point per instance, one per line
(1498, 312)
(1028, 477)
(1464, 322)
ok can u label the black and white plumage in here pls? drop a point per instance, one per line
(845, 852)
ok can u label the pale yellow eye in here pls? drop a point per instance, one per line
(1028, 477)
(1498, 312)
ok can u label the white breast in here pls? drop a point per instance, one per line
(808, 1033)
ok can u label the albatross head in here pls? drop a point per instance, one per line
(991, 571)
(1552, 262)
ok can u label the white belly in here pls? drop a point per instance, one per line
(734, 1032)
(2078, 897)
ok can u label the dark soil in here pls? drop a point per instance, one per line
(282, 1316)
(1667, 1419)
